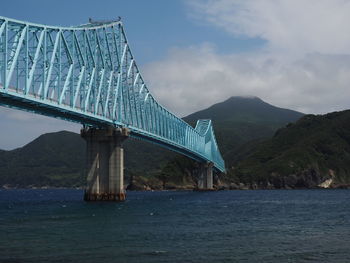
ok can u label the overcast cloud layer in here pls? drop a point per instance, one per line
(305, 64)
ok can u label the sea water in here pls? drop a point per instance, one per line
(172, 226)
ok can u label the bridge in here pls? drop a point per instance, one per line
(87, 74)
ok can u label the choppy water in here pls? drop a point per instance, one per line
(226, 226)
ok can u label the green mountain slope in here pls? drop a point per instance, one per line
(54, 159)
(236, 121)
(314, 150)
(241, 119)
(57, 159)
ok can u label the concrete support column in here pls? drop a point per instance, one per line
(116, 169)
(105, 163)
(205, 176)
(92, 164)
(209, 175)
(103, 171)
(200, 177)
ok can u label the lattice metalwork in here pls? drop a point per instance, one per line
(88, 74)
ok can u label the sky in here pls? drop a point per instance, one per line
(193, 53)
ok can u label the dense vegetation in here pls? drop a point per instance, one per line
(301, 155)
(57, 159)
(52, 159)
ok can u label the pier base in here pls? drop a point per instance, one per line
(205, 177)
(105, 163)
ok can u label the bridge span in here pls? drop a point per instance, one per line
(87, 74)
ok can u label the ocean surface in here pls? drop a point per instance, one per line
(225, 226)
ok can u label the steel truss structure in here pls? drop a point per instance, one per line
(87, 74)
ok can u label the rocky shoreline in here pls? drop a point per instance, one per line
(221, 187)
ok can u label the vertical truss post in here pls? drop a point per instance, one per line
(15, 57)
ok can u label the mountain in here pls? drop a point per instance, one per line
(57, 159)
(241, 119)
(313, 152)
(54, 159)
(245, 109)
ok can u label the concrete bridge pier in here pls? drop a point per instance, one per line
(105, 163)
(205, 176)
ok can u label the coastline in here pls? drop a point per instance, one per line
(149, 189)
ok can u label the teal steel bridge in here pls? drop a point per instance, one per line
(87, 74)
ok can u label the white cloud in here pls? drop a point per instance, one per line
(305, 64)
(293, 26)
(194, 78)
